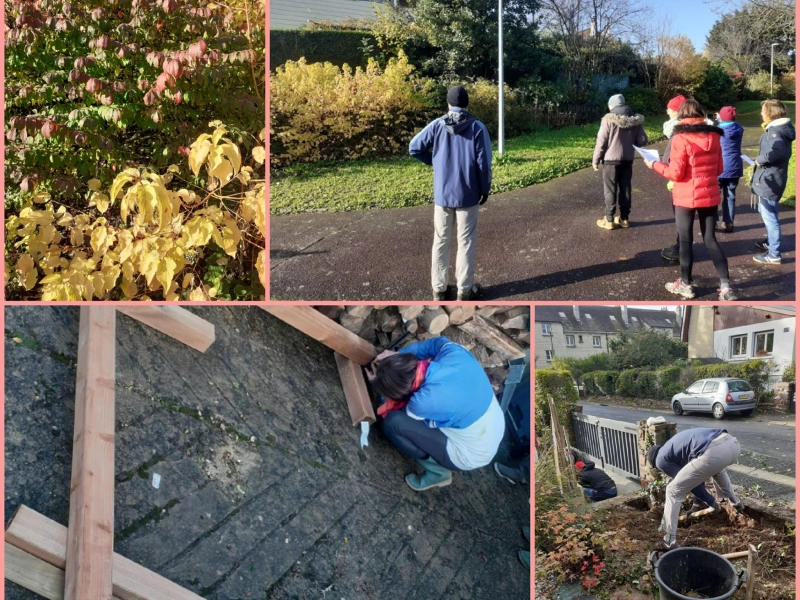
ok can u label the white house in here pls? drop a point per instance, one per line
(294, 14)
(741, 333)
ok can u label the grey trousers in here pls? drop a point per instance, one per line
(721, 453)
(464, 221)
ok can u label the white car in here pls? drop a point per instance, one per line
(719, 396)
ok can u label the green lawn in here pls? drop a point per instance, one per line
(404, 181)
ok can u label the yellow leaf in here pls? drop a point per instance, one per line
(171, 294)
(212, 292)
(99, 236)
(259, 154)
(197, 295)
(65, 220)
(47, 233)
(120, 180)
(25, 264)
(174, 169)
(129, 289)
(188, 280)
(41, 197)
(30, 280)
(231, 152)
(166, 271)
(148, 266)
(128, 271)
(110, 276)
(100, 200)
(220, 131)
(198, 154)
(40, 217)
(261, 269)
(76, 237)
(94, 184)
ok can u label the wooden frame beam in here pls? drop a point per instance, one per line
(355, 390)
(176, 322)
(316, 325)
(46, 540)
(90, 543)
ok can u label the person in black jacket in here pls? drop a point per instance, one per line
(596, 484)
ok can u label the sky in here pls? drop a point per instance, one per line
(692, 18)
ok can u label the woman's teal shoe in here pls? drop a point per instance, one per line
(435, 475)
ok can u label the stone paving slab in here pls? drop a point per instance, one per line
(264, 492)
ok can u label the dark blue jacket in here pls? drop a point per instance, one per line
(775, 150)
(456, 391)
(458, 147)
(731, 144)
(681, 448)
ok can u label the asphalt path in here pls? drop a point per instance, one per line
(535, 243)
(767, 440)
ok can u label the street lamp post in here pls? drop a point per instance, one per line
(771, 62)
(501, 138)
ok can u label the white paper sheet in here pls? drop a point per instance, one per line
(647, 154)
(748, 160)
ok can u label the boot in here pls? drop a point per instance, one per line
(435, 475)
(524, 558)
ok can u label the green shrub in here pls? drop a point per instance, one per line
(758, 86)
(789, 374)
(626, 384)
(643, 100)
(579, 366)
(323, 112)
(669, 381)
(600, 383)
(788, 84)
(717, 89)
(559, 384)
(755, 372)
(338, 47)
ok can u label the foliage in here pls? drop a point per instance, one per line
(716, 88)
(756, 372)
(600, 383)
(758, 86)
(788, 83)
(677, 68)
(643, 100)
(645, 348)
(93, 89)
(789, 375)
(458, 38)
(579, 366)
(179, 244)
(338, 47)
(559, 384)
(404, 181)
(323, 112)
(790, 193)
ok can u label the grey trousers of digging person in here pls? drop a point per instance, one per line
(722, 452)
(464, 221)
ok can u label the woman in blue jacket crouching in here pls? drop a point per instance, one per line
(439, 409)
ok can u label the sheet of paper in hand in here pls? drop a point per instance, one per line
(748, 160)
(647, 154)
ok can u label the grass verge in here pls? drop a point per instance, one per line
(403, 181)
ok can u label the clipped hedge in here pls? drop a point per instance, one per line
(669, 381)
(755, 372)
(643, 100)
(559, 384)
(600, 383)
(338, 47)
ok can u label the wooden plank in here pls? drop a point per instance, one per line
(91, 502)
(33, 573)
(47, 540)
(176, 322)
(318, 326)
(752, 556)
(355, 390)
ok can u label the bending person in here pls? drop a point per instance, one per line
(690, 458)
(596, 484)
(439, 409)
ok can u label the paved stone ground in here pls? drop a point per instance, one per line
(535, 243)
(300, 513)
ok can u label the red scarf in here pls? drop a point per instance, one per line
(390, 405)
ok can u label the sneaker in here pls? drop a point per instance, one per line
(665, 546)
(671, 253)
(606, 224)
(526, 532)
(512, 475)
(439, 296)
(472, 294)
(525, 558)
(624, 223)
(727, 294)
(680, 288)
(739, 506)
(766, 259)
(763, 246)
(725, 228)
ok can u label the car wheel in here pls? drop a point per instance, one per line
(719, 411)
(677, 408)
(746, 413)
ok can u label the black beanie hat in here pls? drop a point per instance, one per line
(457, 96)
(652, 453)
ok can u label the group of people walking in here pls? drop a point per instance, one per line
(703, 163)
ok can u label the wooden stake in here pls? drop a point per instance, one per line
(90, 544)
(175, 322)
(318, 326)
(752, 556)
(355, 390)
(46, 540)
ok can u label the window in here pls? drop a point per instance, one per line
(739, 385)
(562, 315)
(634, 319)
(696, 387)
(710, 387)
(738, 346)
(580, 339)
(596, 341)
(762, 345)
(587, 315)
(548, 354)
(571, 341)
(546, 329)
(612, 317)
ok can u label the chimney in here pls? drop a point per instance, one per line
(576, 310)
(593, 28)
(624, 314)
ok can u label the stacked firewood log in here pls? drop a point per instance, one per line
(493, 334)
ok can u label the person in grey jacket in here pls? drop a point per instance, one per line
(620, 131)
(690, 458)
(771, 174)
(458, 148)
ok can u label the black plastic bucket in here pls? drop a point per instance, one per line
(696, 570)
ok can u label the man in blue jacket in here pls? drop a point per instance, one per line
(731, 144)
(690, 458)
(458, 147)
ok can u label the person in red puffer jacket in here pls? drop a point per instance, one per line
(695, 163)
